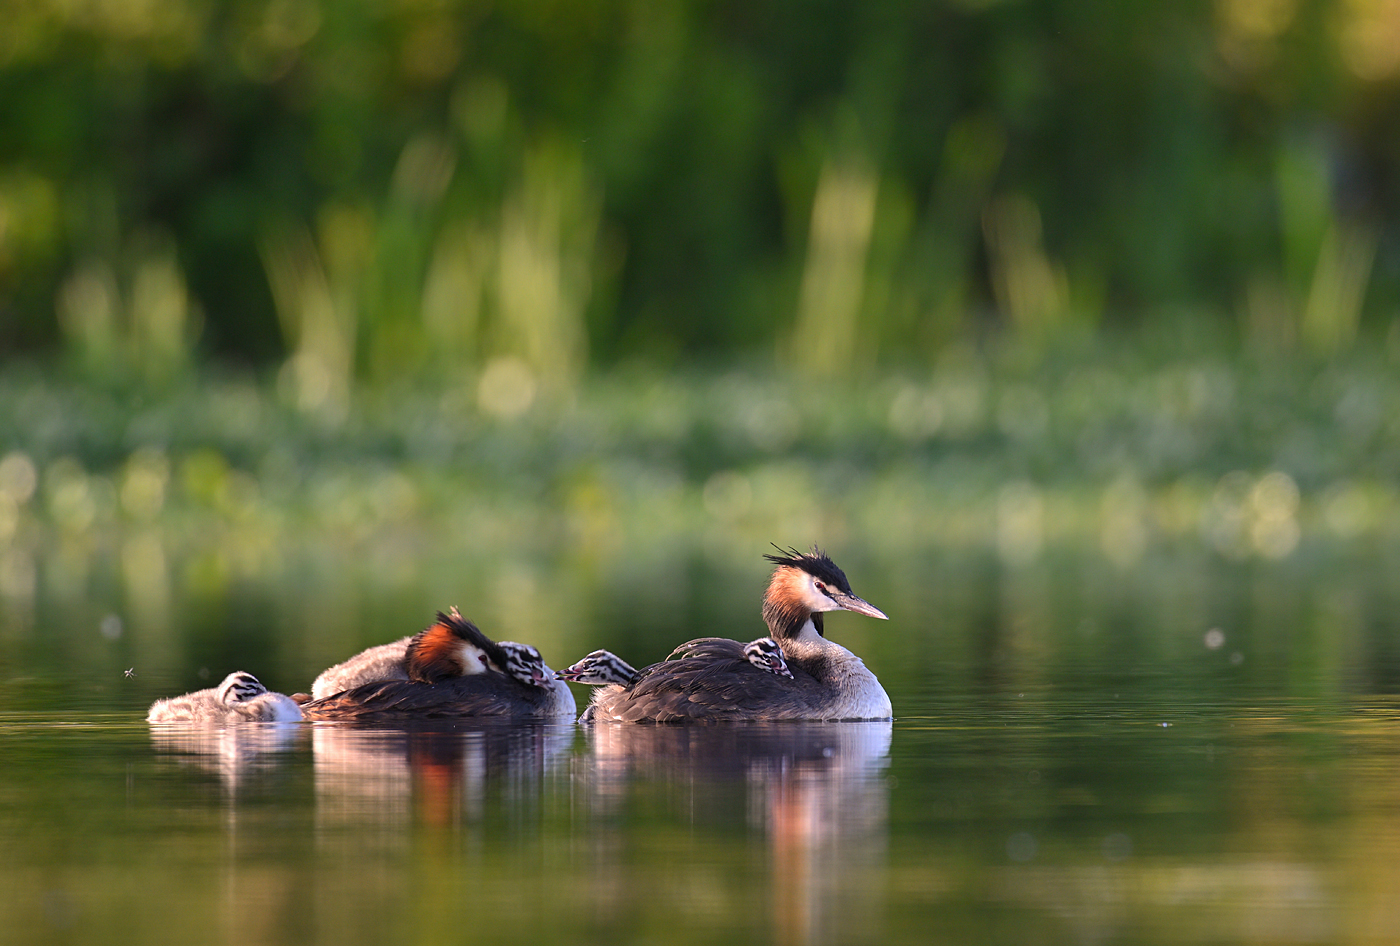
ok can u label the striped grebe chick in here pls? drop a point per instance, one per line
(239, 697)
(765, 654)
(599, 668)
(452, 669)
(714, 678)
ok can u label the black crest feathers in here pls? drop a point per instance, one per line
(816, 563)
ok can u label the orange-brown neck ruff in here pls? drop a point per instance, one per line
(435, 653)
(784, 607)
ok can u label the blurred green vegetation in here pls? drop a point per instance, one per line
(1000, 504)
(357, 193)
(452, 301)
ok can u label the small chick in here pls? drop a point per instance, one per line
(239, 697)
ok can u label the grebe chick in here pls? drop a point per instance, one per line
(765, 654)
(525, 664)
(599, 669)
(239, 697)
(454, 670)
(713, 678)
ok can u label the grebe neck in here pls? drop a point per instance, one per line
(787, 620)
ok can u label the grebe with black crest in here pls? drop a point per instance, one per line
(716, 679)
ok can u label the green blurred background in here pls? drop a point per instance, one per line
(1068, 327)
(379, 191)
(315, 312)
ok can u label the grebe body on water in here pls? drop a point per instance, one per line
(714, 678)
(449, 652)
(452, 669)
(603, 667)
(240, 697)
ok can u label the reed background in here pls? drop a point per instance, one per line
(312, 313)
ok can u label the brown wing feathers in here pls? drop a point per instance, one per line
(490, 694)
(710, 678)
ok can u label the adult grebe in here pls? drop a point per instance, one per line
(454, 670)
(712, 678)
(457, 653)
(239, 697)
(603, 666)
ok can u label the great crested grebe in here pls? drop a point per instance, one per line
(603, 666)
(452, 669)
(239, 697)
(458, 652)
(713, 678)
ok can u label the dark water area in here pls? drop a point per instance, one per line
(1194, 752)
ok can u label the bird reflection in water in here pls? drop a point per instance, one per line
(434, 774)
(236, 754)
(817, 792)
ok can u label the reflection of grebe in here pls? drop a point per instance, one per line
(817, 790)
(239, 697)
(603, 666)
(713, 678)
(453, 670)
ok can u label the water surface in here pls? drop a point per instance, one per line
(1029, 817)
(1205, 753)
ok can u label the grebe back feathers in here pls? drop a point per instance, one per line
(603, 667)
(381, 662)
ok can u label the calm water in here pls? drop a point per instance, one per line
(1074, 761)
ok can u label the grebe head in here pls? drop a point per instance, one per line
(802, 587)
(525, 664)
(765, 654)
(239, 687)
(451, 647)
(599, 669)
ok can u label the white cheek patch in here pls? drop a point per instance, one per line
(473, 661)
